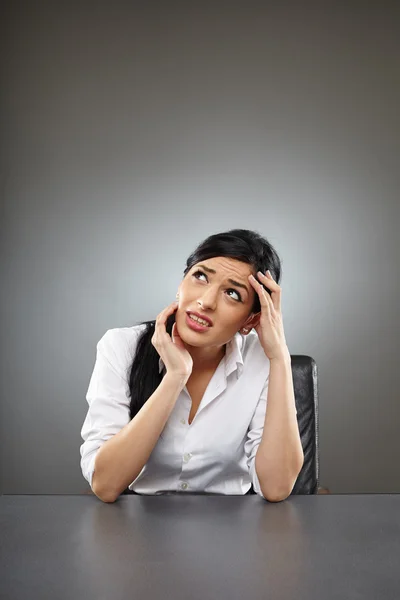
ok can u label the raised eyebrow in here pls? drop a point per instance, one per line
(241, 285)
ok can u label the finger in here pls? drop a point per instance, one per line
(176, 338)
(265, 300)
(175, 332)
(160, 330)
(164, 314)
(274, 287)
(271, 309)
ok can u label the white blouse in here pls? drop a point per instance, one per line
(216, 452)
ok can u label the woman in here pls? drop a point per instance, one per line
(179, 404)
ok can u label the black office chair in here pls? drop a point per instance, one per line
(305, 383)
(304, 372)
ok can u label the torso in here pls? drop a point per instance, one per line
(196, 386)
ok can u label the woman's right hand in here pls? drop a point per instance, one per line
(176, 358)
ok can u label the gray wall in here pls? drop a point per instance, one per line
(134, 130)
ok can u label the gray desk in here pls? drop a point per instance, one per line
(197, 547)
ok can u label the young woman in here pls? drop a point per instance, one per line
(200, 400)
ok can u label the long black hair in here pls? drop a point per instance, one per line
(240, 244)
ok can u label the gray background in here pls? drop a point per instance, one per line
(131, 131)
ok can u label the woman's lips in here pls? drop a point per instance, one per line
(195, 325)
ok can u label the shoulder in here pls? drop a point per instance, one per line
(118, 346)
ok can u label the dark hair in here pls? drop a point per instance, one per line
(240, 244)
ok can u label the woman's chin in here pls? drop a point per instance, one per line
(190, 336)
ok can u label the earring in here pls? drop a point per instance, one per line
(245, 330)
(177, 296)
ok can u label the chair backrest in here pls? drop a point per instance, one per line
(304, 373)
(305, 384)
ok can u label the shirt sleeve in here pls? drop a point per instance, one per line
(254, 436)
(108, 400)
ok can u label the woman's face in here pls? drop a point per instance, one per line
(211, 294)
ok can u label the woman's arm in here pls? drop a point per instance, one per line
(279, 457)
(121, 458)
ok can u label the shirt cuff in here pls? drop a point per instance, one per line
(255, 480)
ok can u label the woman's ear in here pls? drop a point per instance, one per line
(252, 321)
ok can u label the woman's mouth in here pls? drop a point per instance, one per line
(195, 325)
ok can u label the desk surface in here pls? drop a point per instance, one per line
(197, 547)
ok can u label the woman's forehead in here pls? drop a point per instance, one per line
(223, 264)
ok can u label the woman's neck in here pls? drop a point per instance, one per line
(206, 359)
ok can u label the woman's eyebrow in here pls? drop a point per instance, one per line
(230, 280)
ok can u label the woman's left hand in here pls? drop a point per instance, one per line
(270, 327)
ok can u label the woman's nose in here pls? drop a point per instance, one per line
(208, 300)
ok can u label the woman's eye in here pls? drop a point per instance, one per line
(239, 298)
(199, 273)
(237, 294)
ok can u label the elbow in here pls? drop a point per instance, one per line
(275, 496)
(278, 494)
(106, 498)
(105, 495)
